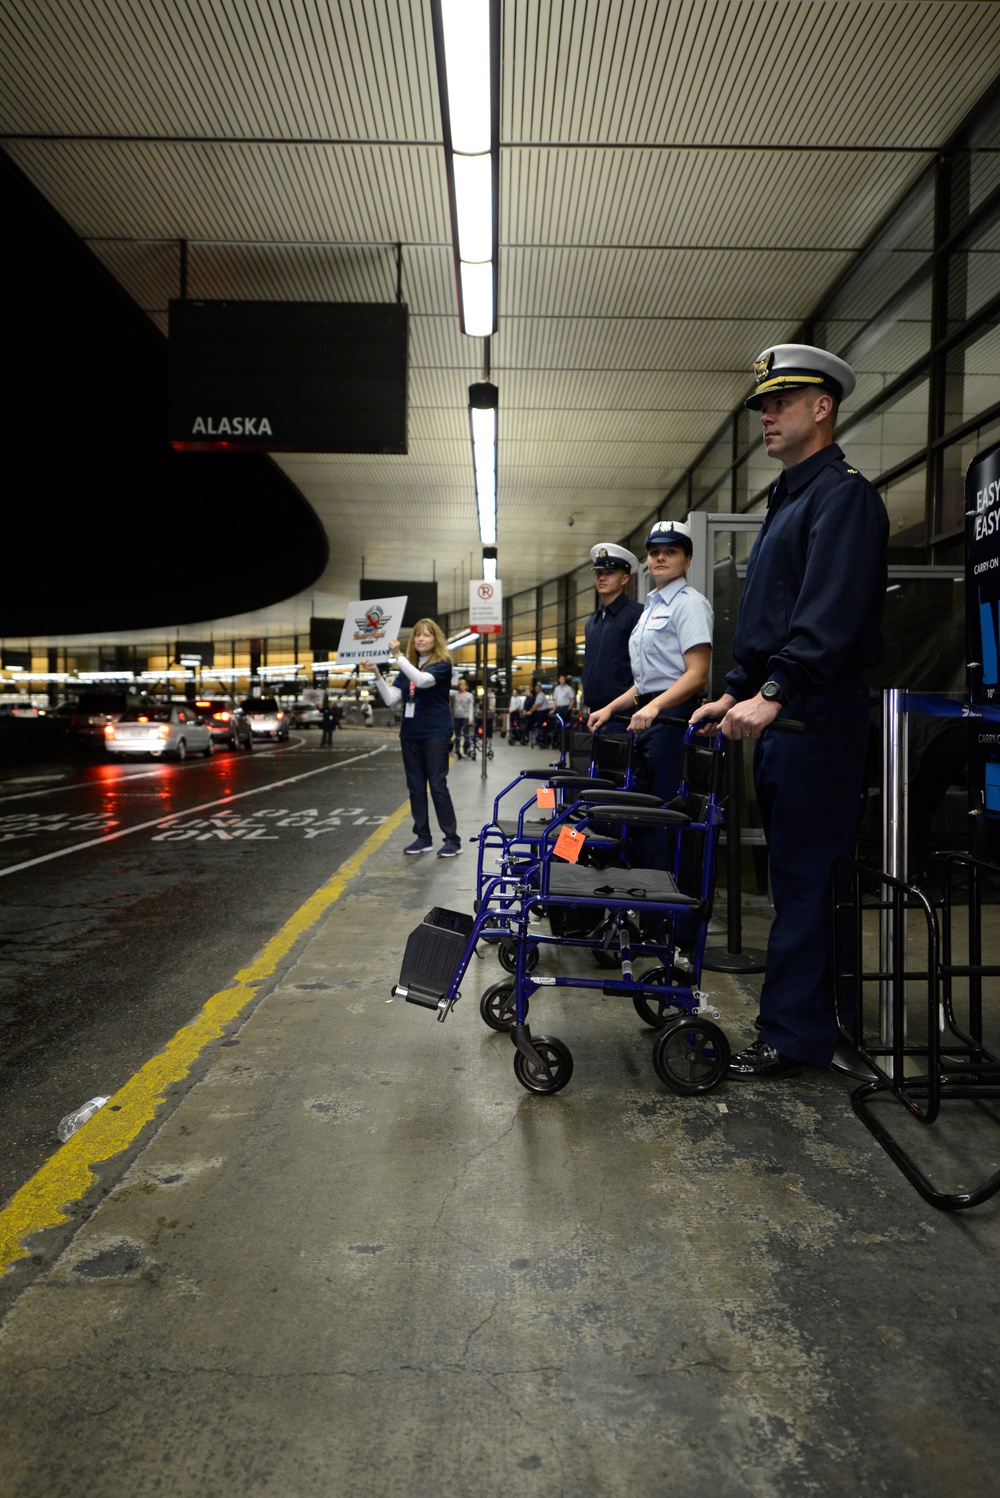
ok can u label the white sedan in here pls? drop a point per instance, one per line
(170, 732)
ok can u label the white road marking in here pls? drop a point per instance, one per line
(190, 811)
(82, 785)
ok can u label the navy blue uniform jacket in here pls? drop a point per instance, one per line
(607, 669)
(811, 613)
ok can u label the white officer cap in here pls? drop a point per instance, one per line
(670, 533)
(789, 366)
(607, 556)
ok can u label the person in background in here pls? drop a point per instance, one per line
(809, 624)
(423, 685)
(328, 722)
(563, 696)
(463, 708)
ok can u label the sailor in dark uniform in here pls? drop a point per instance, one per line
(607, 670)
(810, 623)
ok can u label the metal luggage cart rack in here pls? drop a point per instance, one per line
(949, 1062)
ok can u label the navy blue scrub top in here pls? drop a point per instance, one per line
(431, 706)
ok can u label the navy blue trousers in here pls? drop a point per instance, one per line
(809, 787)
(657, 762)
(426, 762)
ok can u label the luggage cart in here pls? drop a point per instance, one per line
(691, 1053)
(947, 1061)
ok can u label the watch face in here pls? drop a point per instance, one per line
(771, 691)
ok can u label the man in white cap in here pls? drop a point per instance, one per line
(810, 623)
(607, 670)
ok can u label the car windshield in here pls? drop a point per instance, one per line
(260, 705)
(102, 702)
(147, 715)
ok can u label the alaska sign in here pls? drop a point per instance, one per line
(317, 377)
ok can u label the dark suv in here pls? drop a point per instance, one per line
(227, 720)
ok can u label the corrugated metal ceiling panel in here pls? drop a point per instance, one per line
(681, 182)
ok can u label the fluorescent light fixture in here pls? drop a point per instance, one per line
(466, 28)
(474, 209)
(467, 51)
(484, 399)
(478, 308)
(460, 640)
(489, 569)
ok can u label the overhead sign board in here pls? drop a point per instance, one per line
(485, 606)
(369, 626)
(317, 377)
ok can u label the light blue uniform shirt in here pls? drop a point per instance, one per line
(674, 620)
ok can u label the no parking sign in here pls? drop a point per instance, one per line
(485, 606)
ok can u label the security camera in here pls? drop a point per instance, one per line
(571, 521)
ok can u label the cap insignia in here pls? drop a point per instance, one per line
(762, 366)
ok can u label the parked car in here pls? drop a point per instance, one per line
(170, 731)
(267, 719)
(227, 721)
(305, 715)
(91, 713)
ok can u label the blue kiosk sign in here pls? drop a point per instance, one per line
(982, 593)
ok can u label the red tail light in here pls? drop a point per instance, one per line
(109, 730)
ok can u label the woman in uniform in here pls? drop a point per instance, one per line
(671, 653)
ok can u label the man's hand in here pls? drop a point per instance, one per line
(599, 718)
(748, 720)
(710, 714)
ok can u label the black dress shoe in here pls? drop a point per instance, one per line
(761, 1061)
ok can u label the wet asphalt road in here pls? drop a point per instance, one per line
(166, 879)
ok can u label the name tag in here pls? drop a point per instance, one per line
(410, 710)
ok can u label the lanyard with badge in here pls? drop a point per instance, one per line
(411, 707)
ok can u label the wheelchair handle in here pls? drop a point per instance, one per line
(638, 816)
(784, 725)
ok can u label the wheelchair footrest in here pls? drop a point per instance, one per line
(433, 955)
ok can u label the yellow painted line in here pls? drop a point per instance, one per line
(69, 1174)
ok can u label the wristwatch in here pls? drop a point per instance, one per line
(771, 692)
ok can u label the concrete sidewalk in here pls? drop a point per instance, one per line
(356, 1258)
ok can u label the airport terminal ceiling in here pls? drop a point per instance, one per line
(680, 184)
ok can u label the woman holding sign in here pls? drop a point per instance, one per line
(423, 685)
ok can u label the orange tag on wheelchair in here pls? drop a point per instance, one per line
(569, 844)
(546, 796)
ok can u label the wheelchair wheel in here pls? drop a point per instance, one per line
(608, 956)
(507, 952)
(497, 1006)
(653, 1010)
(691, 1056)
(556, 1068)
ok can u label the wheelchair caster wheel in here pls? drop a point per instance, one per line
(556, 1068)
(507, 952)
(691, 1056)
(497, 1006)
(653, 1010)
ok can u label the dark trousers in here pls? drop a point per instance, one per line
(463, 734)
(809, 787)
(657, 761)
(425, 762)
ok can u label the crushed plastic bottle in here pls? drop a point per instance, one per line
(68, 1126)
